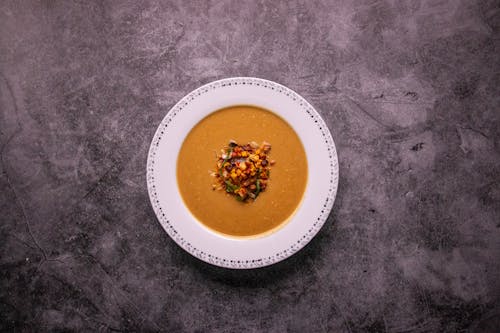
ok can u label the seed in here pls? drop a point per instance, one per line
(263, 163)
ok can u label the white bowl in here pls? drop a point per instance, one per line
(213, 247)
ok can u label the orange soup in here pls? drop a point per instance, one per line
(218, 210)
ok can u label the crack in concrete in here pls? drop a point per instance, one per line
(117, 292)
(371, 116)
(96, 184)
(4, 169)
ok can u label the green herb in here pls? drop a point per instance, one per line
(229, 153)
(230, 187)
(257, 184)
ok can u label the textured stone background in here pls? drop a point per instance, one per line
(409, 89)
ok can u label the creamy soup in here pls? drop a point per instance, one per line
(220, 211)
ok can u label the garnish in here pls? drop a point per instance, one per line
(243, 170)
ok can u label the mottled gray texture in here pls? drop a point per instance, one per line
(409, 89)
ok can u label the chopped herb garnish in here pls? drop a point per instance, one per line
(243, 170)
(228, 156)
(257, 183)
(230, 187)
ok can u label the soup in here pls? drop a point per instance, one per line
(218, 210)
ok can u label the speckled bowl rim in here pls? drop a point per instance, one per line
(210, 246)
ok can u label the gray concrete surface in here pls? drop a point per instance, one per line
(409, 89)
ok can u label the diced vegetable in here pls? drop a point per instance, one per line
(243, 170)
